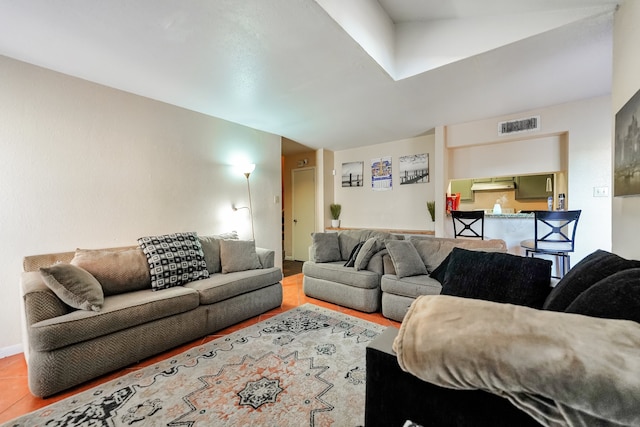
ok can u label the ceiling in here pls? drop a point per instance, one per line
(329, 74)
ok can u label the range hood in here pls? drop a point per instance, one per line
(493, 186)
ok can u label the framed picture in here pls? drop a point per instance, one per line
(626, 167)
(381, 174)
(352, 174)
(414, 169)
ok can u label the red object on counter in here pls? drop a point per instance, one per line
(453, 202)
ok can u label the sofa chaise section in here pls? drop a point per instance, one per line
(329, 276)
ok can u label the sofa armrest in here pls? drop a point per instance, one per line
(40, 303)
(266, 257)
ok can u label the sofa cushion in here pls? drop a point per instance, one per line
(350, 238)
(118, 312)
(615, 297)
(411, 286)
(337, 272)
(351, 261)
(174, 259)
(590, 270)
(238, 255)
(325, 247)
(219, 287)
(433, 250)
(75, 286)
(117, 270)
(369, 248)
(405, 258)
(497, 277)
(211, 249)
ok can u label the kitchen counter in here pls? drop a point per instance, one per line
(509, 215)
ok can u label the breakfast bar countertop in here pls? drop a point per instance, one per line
(509, 215)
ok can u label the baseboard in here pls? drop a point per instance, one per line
(10, 351)
(289, 258)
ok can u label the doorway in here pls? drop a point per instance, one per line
(303, 198)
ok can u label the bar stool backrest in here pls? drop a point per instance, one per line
(468, 224)
(555, 231)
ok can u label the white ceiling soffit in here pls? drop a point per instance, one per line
(410, 37)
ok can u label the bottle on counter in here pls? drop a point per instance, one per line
(550, 203)
(561, 201)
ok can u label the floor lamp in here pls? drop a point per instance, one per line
(247, 169)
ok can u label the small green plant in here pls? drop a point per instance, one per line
(335, 210)
(431, 207)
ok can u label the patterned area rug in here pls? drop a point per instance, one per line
(302, 367)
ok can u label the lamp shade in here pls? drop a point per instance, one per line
(248, 168)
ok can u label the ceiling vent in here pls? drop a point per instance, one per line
(528, 124)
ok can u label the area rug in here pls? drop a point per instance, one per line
(302, 367)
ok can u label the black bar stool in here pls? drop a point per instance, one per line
(555, 233)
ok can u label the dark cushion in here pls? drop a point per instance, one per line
(614, 297)
(354, 253)
(590, 270)
(325, 247)
(497, 277)
(441, 270)
(174, 259)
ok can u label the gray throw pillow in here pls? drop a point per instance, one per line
(368, 250)
(211, 249)
(405, 258)
(238, 255)
(75, 286)
(326, 247)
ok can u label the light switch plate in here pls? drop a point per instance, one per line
(600, 191)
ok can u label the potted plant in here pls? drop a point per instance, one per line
(431, 207)
(335, 214)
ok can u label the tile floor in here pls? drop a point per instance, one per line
(16, 400)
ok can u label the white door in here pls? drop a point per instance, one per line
(304, 210)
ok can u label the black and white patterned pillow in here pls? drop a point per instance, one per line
(174, 259)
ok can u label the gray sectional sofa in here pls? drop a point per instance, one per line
(404, 281)
(378, 280)
(357, 286)
(137, 309)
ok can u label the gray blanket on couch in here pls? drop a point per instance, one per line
(563, 369)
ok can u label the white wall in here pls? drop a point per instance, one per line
(626, 82)
(83, 165)
(402, 208)
(587, 125)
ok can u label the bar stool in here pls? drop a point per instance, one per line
(469, 223)
(555, 233)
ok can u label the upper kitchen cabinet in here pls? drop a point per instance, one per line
(462, 186)
(534, 187)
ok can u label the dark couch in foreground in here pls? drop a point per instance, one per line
(467, 360)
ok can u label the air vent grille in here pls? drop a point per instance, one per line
(510, 127)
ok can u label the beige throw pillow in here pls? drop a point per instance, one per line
(75, 286)
(238, 255)
(117, 270)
